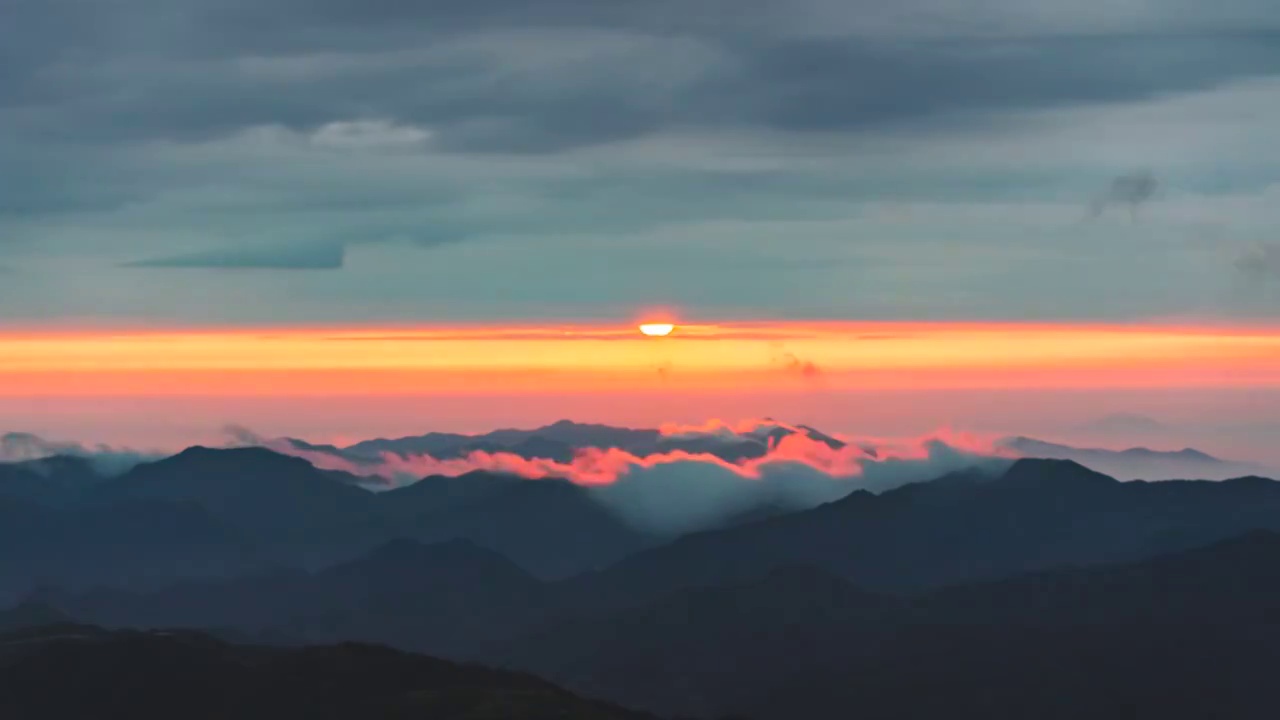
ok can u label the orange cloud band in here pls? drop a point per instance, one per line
(484, 360)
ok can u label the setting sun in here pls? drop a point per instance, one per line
(657, 329)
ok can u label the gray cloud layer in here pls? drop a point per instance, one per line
(578, 135)
(302, 257)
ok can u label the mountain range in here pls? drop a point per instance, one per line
(1137, 463)
(562, 440)
(248, 509)
(906, 602)
(1182, 635)
(216, 512)
(969, 550)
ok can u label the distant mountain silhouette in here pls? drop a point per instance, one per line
(85, 672)
(561, 440)
(557, 441)
(1136, 463)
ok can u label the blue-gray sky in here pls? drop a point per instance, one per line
(263, 161)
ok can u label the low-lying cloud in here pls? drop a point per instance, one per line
(25, 447)
(680, 491)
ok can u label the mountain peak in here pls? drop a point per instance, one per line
(1040, 472)
(201, 452)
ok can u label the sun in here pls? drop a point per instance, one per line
(657, 329)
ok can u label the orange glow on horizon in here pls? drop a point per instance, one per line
(588, 358)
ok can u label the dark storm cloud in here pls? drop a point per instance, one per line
(199, 68)
(843, 84)
(299, 257)
(179, 132)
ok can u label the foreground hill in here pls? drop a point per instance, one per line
(1186, 635)
(455, 599)
(73, 671)
(1189, 635)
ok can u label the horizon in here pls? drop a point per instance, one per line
(1211, 386)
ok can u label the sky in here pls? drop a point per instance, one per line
(996, 179)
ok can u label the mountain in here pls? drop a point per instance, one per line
(561, 440)
(54, 480)
(132, 542)
(82, 672)
(453, 598)
(579, 435)
(962, 527)
(269, 496)
(705, 651)
(1136, 463)
(200, 513)
(212, 512)
(1187, 635)
(557, 441)
(450, 598)
(551, 527)
(959, 528)
(21, 447)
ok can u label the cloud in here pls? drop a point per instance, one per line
(1132, 189)
(676, 492)
(548, 76)
(748, 429)
(807, 369)
(1261, 264)
(369, 135)
(24, 447)
(565, 134)
(298, 257)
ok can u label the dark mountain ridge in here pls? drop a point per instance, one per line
(1132, 640)
(79, 671)
(232, 511)
(964, 526)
